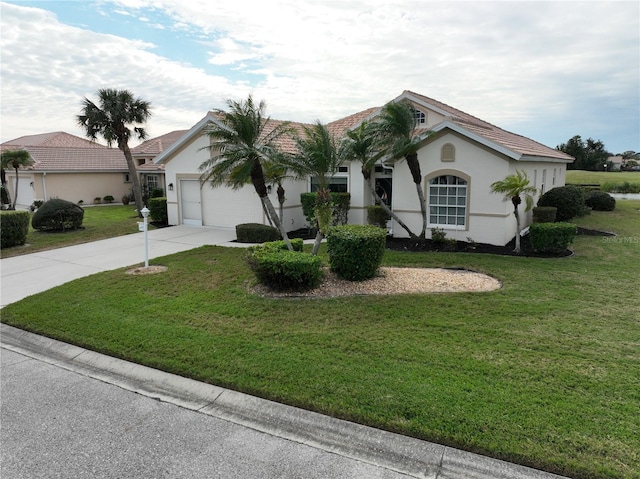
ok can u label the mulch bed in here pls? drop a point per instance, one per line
(406, 244)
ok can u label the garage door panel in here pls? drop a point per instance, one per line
(225, 207)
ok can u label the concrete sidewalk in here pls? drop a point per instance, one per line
(103, 416)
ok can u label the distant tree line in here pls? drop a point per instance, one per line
(592, 155)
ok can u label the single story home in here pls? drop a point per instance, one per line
(459, 161)
(78, 170)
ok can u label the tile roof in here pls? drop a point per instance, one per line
(76, 159)
(57, 139)
(155, 146)
(511, 141)
(339, 127)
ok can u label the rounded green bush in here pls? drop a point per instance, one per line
(569, 201)
(356, 251)
(377, 216)
(281, 269)
(57, 215)
(600, 201)
(256, 233)
(14, 226)
(544, 214)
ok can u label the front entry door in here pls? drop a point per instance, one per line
(191, 202)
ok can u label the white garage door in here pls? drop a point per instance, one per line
(25, 190)
(225, 207)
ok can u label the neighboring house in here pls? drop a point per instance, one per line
(72, 168)
(614, 163)
(459, 161)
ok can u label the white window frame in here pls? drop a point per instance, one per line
(449, 201)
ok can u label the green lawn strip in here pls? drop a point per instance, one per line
(542, 372)
(99, 222)
(581, 177)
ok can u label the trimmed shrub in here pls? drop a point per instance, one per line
(14, 226)
(256, 233)
(552, 237)
(569, 200)
(341, 203)
(280, 245)
(377, 216)
(356, 251)
(108, 199)
(282, 269)
(57, 215)
(544, 214)
(600, 201)
(158, 210)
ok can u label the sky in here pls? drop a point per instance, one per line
(548, 70)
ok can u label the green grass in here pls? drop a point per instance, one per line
(544, 372)
(99, 222)
(581, 177)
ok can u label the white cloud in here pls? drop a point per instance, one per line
(511, 63)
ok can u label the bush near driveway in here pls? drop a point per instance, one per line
(57, 215)
(14, 226)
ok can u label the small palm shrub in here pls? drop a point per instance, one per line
(57, 215)
(256, 233)
(600, 201)
(569, 201)
(356, 251)
(280, 269)
(14, 226)
(158, 210)
(552, 237)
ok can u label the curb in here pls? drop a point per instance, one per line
(402, 454)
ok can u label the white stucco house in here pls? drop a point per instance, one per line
(459, 161)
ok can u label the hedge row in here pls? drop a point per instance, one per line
(552, 237)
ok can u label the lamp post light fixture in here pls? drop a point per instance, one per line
(145, 215)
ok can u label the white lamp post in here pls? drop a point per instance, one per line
(145, 215)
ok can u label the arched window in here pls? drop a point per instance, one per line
(421, 117)
(448, 152)
(448, 202)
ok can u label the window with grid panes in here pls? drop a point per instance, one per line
(448, 202)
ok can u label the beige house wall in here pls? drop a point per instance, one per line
(80, 186)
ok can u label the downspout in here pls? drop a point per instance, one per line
(44, 186)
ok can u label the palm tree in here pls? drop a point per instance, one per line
(396, 125)
(15, 159)
(117, 110)
(243, 141)
(319, 157)
(513, 187)
(361, 144)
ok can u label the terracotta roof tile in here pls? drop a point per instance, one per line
(155, 146)
(76, 159)
(58, 139)
(511, 141)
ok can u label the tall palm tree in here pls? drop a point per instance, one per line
(319, 156)
(513, 187)
(396, 125)
(242, 142)
(361, 144)
(15, 159)
(111, 119)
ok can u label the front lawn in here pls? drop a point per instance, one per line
(544, 372)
